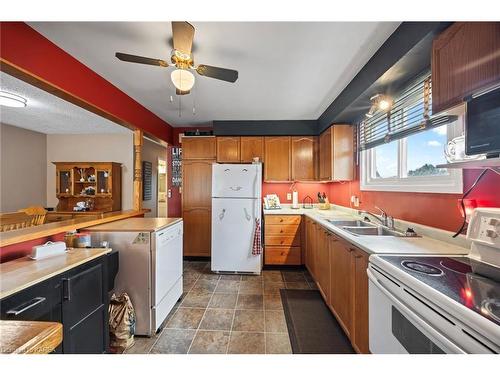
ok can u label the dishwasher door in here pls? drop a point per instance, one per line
(167, 270)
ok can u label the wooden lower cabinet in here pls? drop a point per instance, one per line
(197, 224)
(339, 269)
(359, 337)
(282, 239)
(341, 283)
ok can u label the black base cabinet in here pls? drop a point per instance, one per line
(77, 298)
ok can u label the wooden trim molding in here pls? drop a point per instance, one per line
(138, 142)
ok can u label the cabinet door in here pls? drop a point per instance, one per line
(343, 153)
(277, 161)
(64, 182)
(251, 147)
(325, 155)
(465, 59)
(360, 305)
(198, 148)
(228, 149)
(103, 181)
(196, 183)
(303, 158)
(341, 283)
(197, 237)
(323, 265)
(84, 313)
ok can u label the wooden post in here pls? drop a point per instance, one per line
(138, 141)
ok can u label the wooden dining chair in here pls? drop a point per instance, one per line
(37, 213)
(14, 220)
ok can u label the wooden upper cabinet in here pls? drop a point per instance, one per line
(198, 148)
(465, 59)
(277, 161)
(228, 149)
(336, 153)
(251, 147)
(196, 183)
(304, 158)
(325, 155)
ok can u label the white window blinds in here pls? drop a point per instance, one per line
(410, 113)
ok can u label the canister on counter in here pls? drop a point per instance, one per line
(83, 240)
(69, 238)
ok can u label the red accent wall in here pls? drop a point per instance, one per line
(26, 48)
(18, 250)
(436, 210)
(303, 188)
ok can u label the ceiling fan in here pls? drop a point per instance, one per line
(182, 59)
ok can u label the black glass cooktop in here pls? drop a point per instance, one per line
(474, 284)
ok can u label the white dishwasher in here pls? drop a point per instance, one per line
(150, 266)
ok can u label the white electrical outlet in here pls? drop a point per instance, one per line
(289, 196)
(355, 201)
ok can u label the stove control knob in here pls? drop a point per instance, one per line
(494, 222)
(491, 233)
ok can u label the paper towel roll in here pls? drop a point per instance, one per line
(295, 199)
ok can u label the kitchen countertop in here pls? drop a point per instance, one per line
(139, 224)
(45, 230)
(24, 272)
(373, 244)
(24, 337)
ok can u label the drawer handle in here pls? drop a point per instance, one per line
(26, 306)
(281, 231)
(281, 220)
(66, 289)
(281, 242)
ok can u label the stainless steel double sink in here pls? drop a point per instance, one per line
(363, 228)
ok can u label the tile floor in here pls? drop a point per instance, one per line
(226, 314)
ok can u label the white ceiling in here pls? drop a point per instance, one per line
(46, 113)
(287, 70)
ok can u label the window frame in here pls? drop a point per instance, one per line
(451, 183)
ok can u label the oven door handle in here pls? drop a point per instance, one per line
(415, 318)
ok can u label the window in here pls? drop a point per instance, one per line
(401, 148)
(409, 164)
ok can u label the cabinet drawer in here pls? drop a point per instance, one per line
(282, 219)
(41, 302)
(282, 255)
(282, 240)
(285, 229)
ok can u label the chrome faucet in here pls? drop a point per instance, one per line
(384, 219)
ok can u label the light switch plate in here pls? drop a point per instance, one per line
(289, 196)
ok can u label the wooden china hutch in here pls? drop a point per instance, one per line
(97, 184)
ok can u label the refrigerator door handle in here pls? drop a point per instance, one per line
(221, 215)
(235, 188)
(247, 216)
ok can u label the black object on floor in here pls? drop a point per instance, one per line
(311, 326)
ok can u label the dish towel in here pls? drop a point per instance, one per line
(257, 244)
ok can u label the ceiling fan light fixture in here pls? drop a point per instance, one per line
(182, 79)
(12, 100)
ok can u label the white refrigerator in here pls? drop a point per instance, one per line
(236, 203)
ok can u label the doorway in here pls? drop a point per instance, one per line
(162, 188)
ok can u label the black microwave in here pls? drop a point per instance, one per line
(482, 127)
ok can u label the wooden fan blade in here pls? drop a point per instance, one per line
(180, 92)
(140, 59)
(183, 34)
(217, 73)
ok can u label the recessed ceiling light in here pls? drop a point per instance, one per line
(12, 100)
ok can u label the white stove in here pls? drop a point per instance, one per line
(439, 304)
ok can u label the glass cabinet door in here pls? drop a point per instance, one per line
(103, 182)
(64, 182)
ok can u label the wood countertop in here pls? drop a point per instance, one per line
(139, 224)
(24, 272)
(26, 234)
(20, 337)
